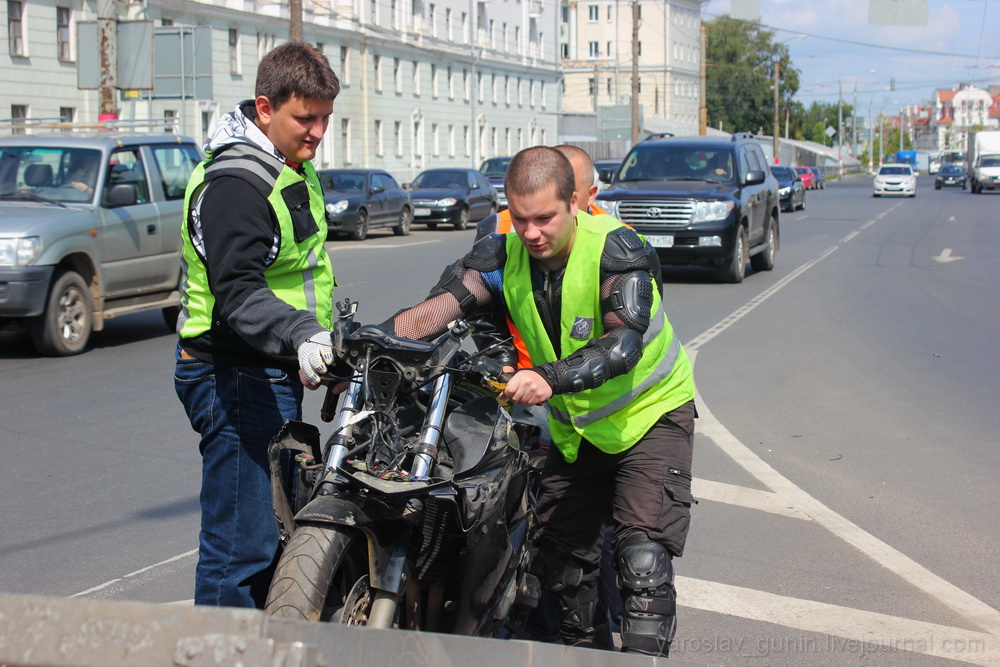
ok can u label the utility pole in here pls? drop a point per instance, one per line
(840, 126)
(295, 20)
(777, 67)
(703, 85)
(635, 71)
(107, 31)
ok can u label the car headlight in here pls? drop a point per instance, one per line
(19, 251)
(336, 208)
(711, 210)
(447, 201)
(784, 191)
(609, 205)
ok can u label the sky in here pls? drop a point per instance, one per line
(960, 43)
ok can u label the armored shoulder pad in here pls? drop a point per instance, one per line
(488, 254)
(624, 251)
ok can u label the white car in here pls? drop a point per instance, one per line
(895, 179)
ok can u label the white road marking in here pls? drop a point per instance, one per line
(741, 496)
(946, 257)
(131, 575)
(379, 246)
(850, 236)
(966, 605)
(860, 632)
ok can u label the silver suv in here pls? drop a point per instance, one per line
(89, 230)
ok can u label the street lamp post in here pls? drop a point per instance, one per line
(777, 84)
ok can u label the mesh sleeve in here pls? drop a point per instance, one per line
(430, 317)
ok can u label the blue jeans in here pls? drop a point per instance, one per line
(236, 410)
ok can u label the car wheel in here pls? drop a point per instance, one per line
(764, 261)
(405, 218)
(462, 221)
(802, 204)
(937, 186)
(432, 225)
(735, 269)
(875, 194)
(360, 232)
(170, 315)
(64, 328)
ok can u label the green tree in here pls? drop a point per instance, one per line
(740, 62)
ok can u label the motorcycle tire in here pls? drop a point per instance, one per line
(316, 571)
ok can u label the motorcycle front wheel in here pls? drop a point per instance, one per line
(322, 568)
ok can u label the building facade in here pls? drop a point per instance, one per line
(596, 50)
(445, 83)
(957, 111)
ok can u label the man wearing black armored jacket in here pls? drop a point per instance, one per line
(618, 386)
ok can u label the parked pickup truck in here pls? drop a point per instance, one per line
(89, 230)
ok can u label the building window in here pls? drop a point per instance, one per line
(465, 84)
(166, 23)
(447, 25)
(531, 93)
(451, 141)
(506, 90)
(506, 141)
(397, 74)
(393, 15)
(593, 13)
(496, 95)
(265, 43)
(345, 65)
(15, 28)
(345, 139)
(609, 87)
(520, 92)
(591, 87)
(63, 32)
(434, 81)
(520, 139)
(433, 18)
(18, 114)
(595, 50)
(373, 11)
(465, 28)
(495, 140)
(67, 115)
(608, 51)
(451, 84)
(542, 94)
(609, 14)
(234, 52)
(378, 138)
(638, 47)
(506, 46)
(468, 140)
(398, 137)
(564, 50)
(416, 78)
(479, 86)
(435, 139)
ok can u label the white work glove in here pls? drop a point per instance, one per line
(315, 355)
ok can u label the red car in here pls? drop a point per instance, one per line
(808, 179)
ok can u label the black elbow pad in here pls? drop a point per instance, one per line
(614, 354)
(631, 299)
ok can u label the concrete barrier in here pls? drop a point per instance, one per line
(59, 632)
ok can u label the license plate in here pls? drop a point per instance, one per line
(661, 241)
(421, 211)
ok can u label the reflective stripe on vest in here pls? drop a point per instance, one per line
(615, 415)
(300, 274)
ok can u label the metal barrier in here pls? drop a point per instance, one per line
(58, 632)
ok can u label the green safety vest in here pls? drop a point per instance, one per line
(300, 275)
(615, 415)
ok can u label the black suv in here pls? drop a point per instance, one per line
(699, 200)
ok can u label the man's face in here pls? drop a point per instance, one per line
(296, 127)
(545, 224)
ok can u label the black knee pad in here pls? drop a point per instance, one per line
(576, 599)
(646, 575)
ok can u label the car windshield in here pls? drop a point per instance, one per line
(894, 171)
(803, 170)
(990, 161)
(55, 174)
(677, 163)
(951, 169)
(440, 179)
(343, 181)
(495, 167)
(784, 173)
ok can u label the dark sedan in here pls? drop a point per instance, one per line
(950, 174)
(819, 181)
(452, 196)
(791, 190)
(359, 200)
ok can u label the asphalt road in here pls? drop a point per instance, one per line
(845, 459)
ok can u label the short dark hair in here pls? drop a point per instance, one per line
(534, 168)
(296, 68)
